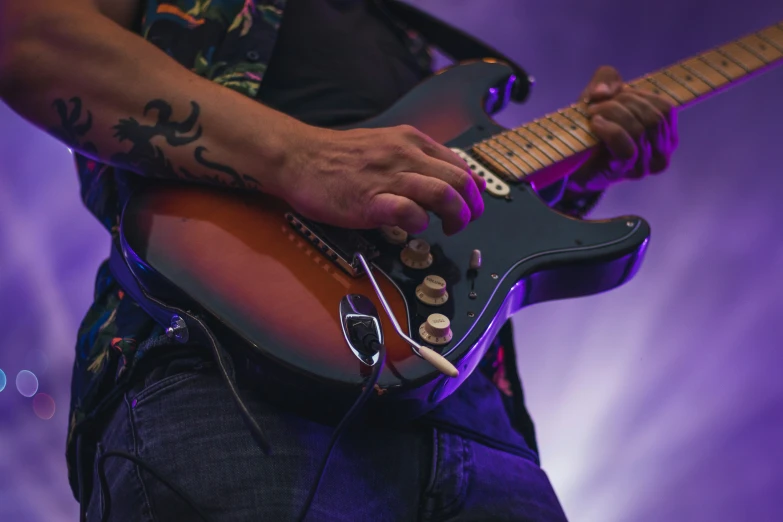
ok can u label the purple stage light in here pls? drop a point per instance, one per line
(26, 383)
(2, 380)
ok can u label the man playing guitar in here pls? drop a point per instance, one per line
(246, 94)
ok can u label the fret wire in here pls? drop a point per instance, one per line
(499, 161)
(537, 147)
(508, 135)
(569, 131)
(529, 148)
(532, 161)
(768, 52)
(683, 83)
(685, 77)
(728, 57)
(544, 149)
(501, 158)
(509, 157)
(550, 133)
(769, 41)
(751, 50)
(486, 157)
(660, 86)
(589, 135)
(575, 121)
(579, 110)
(738, 53)
(699, 75)
(492, 144)
(657, 90)
(708, 64)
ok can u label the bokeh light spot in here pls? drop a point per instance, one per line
(43, 406)
(26, 383)
(2, 380)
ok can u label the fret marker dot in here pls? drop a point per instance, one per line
(549, 136)
(762, 47)
(529, 146)
(688, 78)
(510, 154)
(656, 91)
(724, 63)
(573, 127)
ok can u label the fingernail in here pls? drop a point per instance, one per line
(598, 119)
(601, 88)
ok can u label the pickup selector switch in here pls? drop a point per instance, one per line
(432, 291)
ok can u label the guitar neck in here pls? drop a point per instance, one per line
(527, 153)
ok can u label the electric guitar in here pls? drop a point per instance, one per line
(290, 289)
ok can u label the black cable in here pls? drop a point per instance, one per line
(369, 340)
(152, 471)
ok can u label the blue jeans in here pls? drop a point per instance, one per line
(181, 420)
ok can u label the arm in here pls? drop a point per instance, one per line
(111, 95)
(68, 68)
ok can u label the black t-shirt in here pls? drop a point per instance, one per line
(338, 62)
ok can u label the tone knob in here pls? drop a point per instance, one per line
(432, 291)
(416, 254)
(436, 330)
(394, 235)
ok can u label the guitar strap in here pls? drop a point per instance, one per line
(454, 42)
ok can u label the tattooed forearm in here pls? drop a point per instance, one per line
(150, 159)
(74, 126)
(144, 156)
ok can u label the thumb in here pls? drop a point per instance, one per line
(606, 83)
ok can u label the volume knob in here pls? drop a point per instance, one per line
(416, 254)
(432, 291)
(436, 330)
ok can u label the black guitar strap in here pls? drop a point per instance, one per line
(452, 41)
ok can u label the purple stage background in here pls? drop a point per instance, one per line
(660, 401)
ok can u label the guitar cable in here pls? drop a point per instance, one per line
(371, 345)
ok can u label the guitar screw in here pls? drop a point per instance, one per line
(472, 295)
(629, 224)
(494, 276)
(178, 330)
(471, 314)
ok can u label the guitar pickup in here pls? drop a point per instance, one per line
(338, 244)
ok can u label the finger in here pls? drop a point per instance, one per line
(606, 82)
(434, 149)
(669, 111)
(620, 144)
(615, 111)
(664, 135)
(435, 195)
(396, 211)
(457, 178)
(654, 154)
